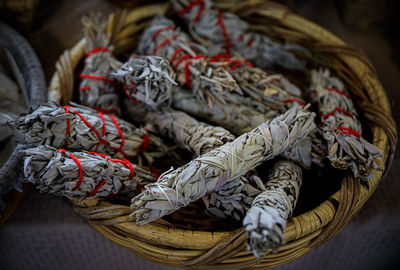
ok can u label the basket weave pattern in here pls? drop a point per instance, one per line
(164, 243)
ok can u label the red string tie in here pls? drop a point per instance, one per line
(187, 69)
(220, 22)
(251, 41)
(98, 134)
(337, 91)
(299, 101)
(156, 34)
(337, 109)
(162, 44)
(96, 189)
(346, 130)
(98, 50)
(154, 171)
(100, 78)
(78, 163)
(177, 51)
(124, 162)
(84, 88)
(189, 7)
(129, 95)
(145, 143)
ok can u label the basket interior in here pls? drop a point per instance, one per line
(318, 185)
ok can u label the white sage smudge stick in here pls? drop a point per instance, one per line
(146, 79)
(82, 175)
(341, 127)
(226, 32)
(205, 174)
(213, 79)
(78, 127)
(234, 198)
(266, 220)
(207, 80)
(97, 89)
(246, 114)
(186, 131)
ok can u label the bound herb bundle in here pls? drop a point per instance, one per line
(267, 217)
(245, 114)
(212, 79)
(81, 175)
(227, 32)
(186, 131)
(80, 128)
(234, 198)
(341, 127)
(207, 80)
(146, 79)
(205, 174)
(97, 88)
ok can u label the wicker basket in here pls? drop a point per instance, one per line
(189, 243)
(33, 79)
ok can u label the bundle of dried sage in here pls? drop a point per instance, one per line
(245, 114)
(205, 174)
(267, 217)
(97, 89)
(234, 198)
(80, 128)
(82, 175)
(226, 32)
(206, 79)
(341, 127)
(146, 79)
(186, 131)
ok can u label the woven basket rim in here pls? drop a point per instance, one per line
(306, 227)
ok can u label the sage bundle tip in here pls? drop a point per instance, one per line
(266, 220)
(341, 127)
(146, 79)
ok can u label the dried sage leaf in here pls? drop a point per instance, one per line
(146, 79)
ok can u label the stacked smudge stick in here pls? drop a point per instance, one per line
(182, 92)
